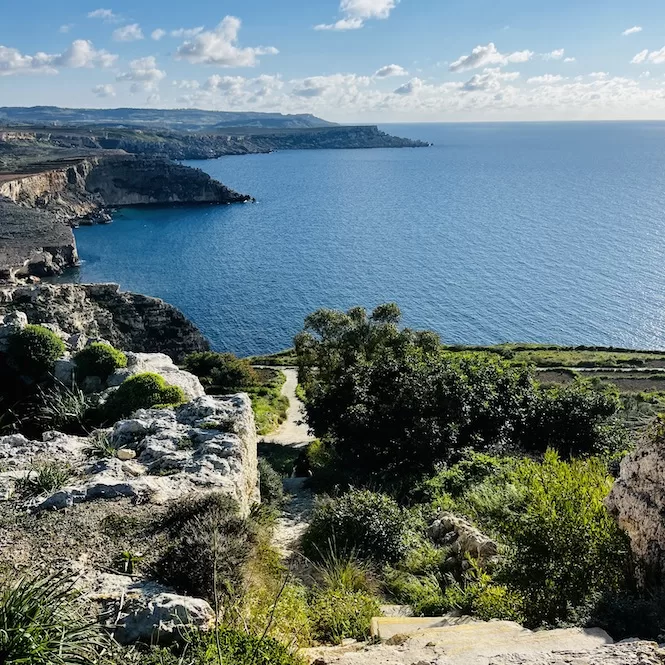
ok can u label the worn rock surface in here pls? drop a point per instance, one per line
(128, 321)
(485, 643)
(208, 444)
(637, 500)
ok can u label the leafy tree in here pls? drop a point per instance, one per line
(394, 404)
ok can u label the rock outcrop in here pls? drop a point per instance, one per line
(156, 456)
(33, 242)
(126, 320)
(466, 539)
(637, 500)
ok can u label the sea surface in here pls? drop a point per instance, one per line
(530, 232)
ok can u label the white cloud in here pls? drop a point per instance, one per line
(410, 87)
(64, 29)
(490, 80)
(631, 31)
(320, 86)
(144, 73)
(390, 70)
(569, 59)
(153, 99)
(656, 57)
(220, 47)
(356, 12)
(104, 90)
(80, 54)
(128, 33)
(186, 85)
(546, 79)
(187, 33)
(557, 54)
(482, 56)
(104, 14)
(157, 34)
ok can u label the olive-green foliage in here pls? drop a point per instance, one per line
(34, 350)
(141, 391)
(41, 625)
(210, 546)
(223, 370)
(630, 614)
(98, 359)
(564, 546)
(368, 524)
(224, 646)
(337, 614)
(270, 484)
(479, 596)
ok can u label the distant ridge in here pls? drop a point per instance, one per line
(177, 119)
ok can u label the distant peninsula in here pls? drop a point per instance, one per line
(63, 167)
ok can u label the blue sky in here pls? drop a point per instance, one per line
(346, 60)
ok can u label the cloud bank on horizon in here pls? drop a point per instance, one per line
(362, 60)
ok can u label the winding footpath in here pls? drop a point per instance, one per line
(292, 433)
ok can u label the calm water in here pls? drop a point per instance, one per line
(526, 232)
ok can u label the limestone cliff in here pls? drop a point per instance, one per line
(127, 320)
(74, 189)
(637, 500)
(33, 242)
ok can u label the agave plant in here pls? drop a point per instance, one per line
(41, 625)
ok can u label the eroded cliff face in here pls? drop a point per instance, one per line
(80, 189)
(127, 320)
(637, 501)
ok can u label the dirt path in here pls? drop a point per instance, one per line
(293, 433)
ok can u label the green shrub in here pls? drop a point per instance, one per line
(629, 614)
(564, 546)
(270, 484)
(224, 370)
(141, 391)
(345, 572)
(34, 350)
(40, 624)
(422, 592)
(367, 524)
(100, 360)
(338, 614)
(210, 547)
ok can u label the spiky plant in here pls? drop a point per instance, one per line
(41, 625)
(44, 479)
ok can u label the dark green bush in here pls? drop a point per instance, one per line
(40, 624)
(211, 543)
(141, 391)
(224, 370)
(34, 350)
(100, 360)
(270, 484)
(337, 614)
(629, 614)
(368, 524)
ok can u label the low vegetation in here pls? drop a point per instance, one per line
(224, 373)
(98, 359)
(34, 350)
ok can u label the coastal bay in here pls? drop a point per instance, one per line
(540, 232)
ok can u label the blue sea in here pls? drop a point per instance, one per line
(530, 232)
